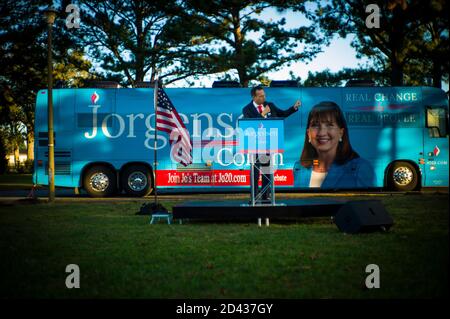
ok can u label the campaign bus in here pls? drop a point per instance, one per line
(105, 139)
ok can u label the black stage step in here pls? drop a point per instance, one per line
(292, 208)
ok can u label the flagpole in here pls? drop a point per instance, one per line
(155, 164)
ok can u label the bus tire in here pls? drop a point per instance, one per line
(100, 181)
(137, 180)
(402, 176)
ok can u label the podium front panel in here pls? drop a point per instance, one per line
(260, 136)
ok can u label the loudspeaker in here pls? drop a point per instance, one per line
(363, 216)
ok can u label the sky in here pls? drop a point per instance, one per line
(335, 57)
(338, 55)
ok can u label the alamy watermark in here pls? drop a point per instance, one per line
(73, 279)
(373, 19)
(73, 18)
(373, 279)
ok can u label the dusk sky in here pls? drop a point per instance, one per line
(338, 55)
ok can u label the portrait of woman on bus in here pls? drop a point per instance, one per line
(328, 157)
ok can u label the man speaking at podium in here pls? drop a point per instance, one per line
(260, 108)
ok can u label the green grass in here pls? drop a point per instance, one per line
(121, 256)
(15, 181)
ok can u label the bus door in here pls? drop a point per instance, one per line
(436, 146)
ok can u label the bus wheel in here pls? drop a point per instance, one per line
(402, 177)
(99, 181)
(137, 180)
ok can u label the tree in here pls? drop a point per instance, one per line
(3, 154)
(326, 78)
(11, 130)
(23, 47)
(222, 31)
(435, 48)
(129, 39)
(401, 39)
(183, 39)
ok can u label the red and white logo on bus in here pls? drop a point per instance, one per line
(94, 97)
(436, 151)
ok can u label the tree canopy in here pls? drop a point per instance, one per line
(23, 47)
(409, 33)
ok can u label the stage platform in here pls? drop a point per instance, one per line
(228, 210)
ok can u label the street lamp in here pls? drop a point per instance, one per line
(50, 16)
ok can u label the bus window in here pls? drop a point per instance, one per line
(437, 122)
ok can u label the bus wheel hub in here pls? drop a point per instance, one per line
(137, 181)
(403, 176)
(99, 182)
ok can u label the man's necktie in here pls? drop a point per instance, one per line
(260, 108)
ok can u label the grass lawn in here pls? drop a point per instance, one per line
(121, 256)
(15, 181)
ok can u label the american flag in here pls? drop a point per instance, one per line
(169, 121)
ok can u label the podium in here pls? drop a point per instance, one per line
(260, 139)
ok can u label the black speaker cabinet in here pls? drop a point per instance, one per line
(363, 216)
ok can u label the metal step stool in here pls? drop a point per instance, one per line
(157, 216)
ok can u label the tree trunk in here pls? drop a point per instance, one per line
(396, 45)
(239, 54)
(30, 144)
(396, 73)
(140, 44)
(437, 74)
(245, 82)
(16, 157)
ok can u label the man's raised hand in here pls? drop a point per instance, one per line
(266, 110)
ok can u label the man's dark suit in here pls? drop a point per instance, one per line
(250, 111)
